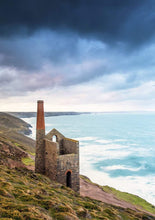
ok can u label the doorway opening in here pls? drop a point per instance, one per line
(68, 179)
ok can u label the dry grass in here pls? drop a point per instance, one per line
(26, 195)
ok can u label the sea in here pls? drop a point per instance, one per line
(116, 149)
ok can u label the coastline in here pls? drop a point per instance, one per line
(117, 149)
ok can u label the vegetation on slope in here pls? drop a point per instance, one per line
(26, 195)
(138, 202)
(28, 161)
(133, 199)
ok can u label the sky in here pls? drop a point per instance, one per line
(81, 55)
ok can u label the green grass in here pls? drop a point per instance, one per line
(27, 195)
(28, 161)
(133, 199)
(18, 145)
(33, 154)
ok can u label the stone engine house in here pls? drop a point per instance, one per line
(56, 156)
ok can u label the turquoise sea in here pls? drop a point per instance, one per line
(116, 149)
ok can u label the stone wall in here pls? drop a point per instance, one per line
(70, 146)
(59, 138)
(56, 133)
(51, 155)
(68, 162)
(58, 158)
(40, 150)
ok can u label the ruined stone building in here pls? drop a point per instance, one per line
(56, 156)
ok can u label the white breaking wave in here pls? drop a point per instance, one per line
(121, 167)
(86, 138)
(119, 140)
(140, 186)
(104, 141)
(99, 152)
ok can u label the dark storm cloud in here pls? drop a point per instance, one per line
(130, 21)
(32, 52)
(45, 43)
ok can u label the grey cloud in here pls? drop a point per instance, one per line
(5, 79)
(21, 83)
(50, 59)
(31, 53)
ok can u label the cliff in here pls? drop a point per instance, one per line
(10, 122)
(14, 145)
(26, 195)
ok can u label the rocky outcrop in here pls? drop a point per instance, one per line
(11, 155)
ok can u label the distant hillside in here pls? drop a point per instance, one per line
(47, 114)
(14, 130)
(8, 121)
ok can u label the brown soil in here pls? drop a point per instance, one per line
(10, 154)
(95, 192)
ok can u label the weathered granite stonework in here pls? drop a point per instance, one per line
(40, 151)
(59, 160)
(40, 135)
(68, 163)
(51, 157)
(62, 157)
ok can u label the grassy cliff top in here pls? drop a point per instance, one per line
(26, 195)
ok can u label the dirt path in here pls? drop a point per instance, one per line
(94, 192)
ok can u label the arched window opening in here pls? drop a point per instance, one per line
(68, 179)
(54, 138)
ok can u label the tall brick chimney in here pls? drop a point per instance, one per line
(40, 135)
(40, 115)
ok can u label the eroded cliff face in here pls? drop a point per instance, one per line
(10, 154)
(14, 146)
